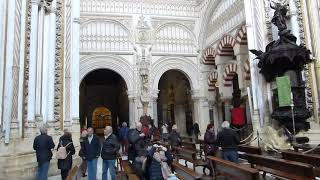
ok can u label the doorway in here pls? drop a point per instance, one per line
(103, 100)
(174, 103)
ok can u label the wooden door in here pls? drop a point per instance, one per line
(101, 118)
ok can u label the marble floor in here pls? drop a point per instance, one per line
(99, 173)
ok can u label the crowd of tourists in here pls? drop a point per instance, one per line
(143, 145)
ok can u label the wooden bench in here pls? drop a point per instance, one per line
(74, 173)
(280, 167)
(250, 149)
(125, 165)
(191, 146)
(190, 156)
(185, 173)
(244, 149)
(232, 170)
(313, 160)
(306, 147)
(186, 139)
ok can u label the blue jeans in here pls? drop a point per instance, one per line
(109, 164)
(230, 155)
(43, 171)
(92, 169)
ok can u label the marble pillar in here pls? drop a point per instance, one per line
(155, 111)
(8, 81)
(3, 10)
(75, 68)
(256, 28)
(51, 62)
(33, 61)
(201, 112)
(312, 31)
(22, 65)
(39, 62)
(241, 58)
(45, 67)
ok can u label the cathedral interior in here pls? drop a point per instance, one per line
(74, 64)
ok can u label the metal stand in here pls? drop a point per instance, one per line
(293, 121)
(258, 137)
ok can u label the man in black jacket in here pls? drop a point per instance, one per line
(137, 142)
(109, 153)
(91, 149)
(228, 140)
(43, 145)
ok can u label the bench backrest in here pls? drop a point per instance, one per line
(187, 139)
(313, 160)
(285, 166)
(185, 172)
(185, 154)
(233, 170)
(188, 145)
(250, 149)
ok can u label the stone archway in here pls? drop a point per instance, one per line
(103, 100)
(185, 67)
(114, 63)
(181, 64)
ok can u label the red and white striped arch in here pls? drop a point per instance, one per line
(212, 81)
(226, 45)
(241, 36)
(209, 56)
(229, 73)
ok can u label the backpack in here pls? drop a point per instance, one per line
(62, 151)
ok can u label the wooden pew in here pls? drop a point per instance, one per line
(244, 149)
(250, 149)
(74, 173)
(280, 167)
(190, 156)
(313, 160)
(128, 170)
(306, 147)
(186, 139)
(185, 173)
(232, 170)
(191, 146)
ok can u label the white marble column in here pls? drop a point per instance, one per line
(312, 30)
(131, 112)
(3, 10)
(33, 60)
(45, 65)
(155, 110)
(22, 65)
(256, 28)
(241, 58)
(51, 60)
(9, 58)
(201, 111)
(75, 60)
(39, 75)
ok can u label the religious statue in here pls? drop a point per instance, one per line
(284, 57)
(171, 94)
(171, 100)
(280, 14)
